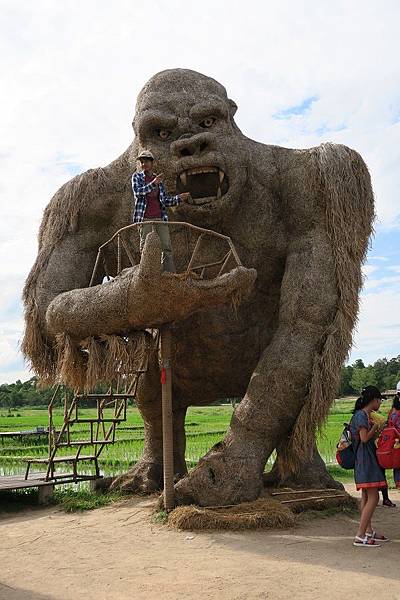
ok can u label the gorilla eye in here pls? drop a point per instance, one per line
(208, 122)
(163, 133)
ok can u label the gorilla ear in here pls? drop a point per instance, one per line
(232, 107)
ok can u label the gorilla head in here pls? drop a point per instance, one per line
(186, 120)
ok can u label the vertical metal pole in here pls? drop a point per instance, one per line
(166, 401)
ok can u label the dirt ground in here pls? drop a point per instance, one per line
(118, 553)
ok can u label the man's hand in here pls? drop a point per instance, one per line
(158, 178)
(184, 196)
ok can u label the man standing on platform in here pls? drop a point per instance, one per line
(151, 202)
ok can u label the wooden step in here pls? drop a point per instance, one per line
(14, 482)
(59, 459)
(111, 420)
(105, 396)
(85, 443)
(70, 478)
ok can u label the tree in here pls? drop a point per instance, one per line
(345, 387)
(390, 381)
(359, 364)
(380, 368)
(363, 377)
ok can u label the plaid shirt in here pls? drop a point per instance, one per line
(141, 189)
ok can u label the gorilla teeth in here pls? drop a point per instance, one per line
(205, 184)
(197, 170)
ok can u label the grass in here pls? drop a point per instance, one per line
(76, 500)
(160, 517)
(205, 426)
(68, 500)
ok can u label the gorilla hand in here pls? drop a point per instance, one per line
(142, 297)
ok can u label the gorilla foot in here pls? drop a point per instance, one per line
(312, 474)
(144, 478)
(220, 479)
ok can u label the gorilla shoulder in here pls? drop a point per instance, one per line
(85, 196)
(314, 179)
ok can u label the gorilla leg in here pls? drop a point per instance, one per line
(279, 387)
(232, 471)
(146, 476)
(312, 474)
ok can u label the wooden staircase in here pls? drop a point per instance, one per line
(111, 408)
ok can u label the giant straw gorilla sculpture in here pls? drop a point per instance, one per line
(301, 218)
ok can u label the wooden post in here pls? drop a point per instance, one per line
(45, 494)
(166, 401)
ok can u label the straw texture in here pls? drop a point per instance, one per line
(299, 219)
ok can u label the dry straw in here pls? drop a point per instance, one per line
(82, 366)
(60, 218)
(264, 513)
(344, 182)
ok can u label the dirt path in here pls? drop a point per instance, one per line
(117, 553)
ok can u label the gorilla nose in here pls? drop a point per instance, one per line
(192, 145)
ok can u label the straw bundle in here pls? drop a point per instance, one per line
(82, 366)
(264, 513)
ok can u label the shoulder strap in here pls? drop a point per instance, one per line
(394, 421)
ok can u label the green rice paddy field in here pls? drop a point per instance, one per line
(204, 427)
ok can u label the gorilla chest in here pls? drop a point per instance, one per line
(216, 351)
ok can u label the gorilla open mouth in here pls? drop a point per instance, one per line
(205, 184)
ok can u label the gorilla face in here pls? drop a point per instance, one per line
(186, 120)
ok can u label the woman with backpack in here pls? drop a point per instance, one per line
(368, 475)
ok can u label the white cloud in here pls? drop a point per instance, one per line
(72, 70)
(381, 281)
(378, 330)
(368, 269)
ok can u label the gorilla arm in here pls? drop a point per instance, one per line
(142, 297)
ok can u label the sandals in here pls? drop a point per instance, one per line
(379, 537)
(366, 542)
(388, 503)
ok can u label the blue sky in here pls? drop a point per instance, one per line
(301, 73)
(299, 109)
